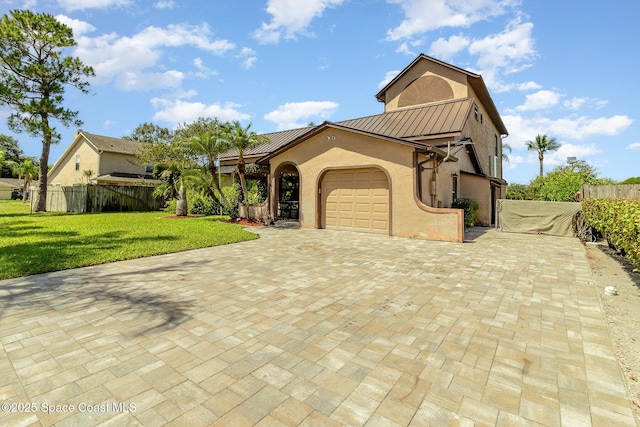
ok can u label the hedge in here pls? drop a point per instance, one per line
(619, 222)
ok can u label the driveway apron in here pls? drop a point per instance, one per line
(314, 327)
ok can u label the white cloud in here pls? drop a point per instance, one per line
(291, 18)
(522, 129)
(297, 114)
(165, 4)
(248, 57)
(388, 77)
(540, 100)
(510, 51)
(71, 5)
(528, 86)
(422, 16)
(125, 59)
(203, 71)
(446, 49)
(147, 81)
(580, 152)
(634, 146)
(180, 111)
(79, 27)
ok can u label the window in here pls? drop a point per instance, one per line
(78, 162)
(476, 112)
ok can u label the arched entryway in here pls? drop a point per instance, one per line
(288, 193)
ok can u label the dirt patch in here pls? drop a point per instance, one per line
(246, 222)
(622, 311)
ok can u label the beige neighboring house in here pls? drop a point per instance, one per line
(113, 161)
(397, 173)
(8, 185)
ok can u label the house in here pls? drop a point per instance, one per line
(111, 161)
(8, 186)
(397, 173)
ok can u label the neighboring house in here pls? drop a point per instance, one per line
(112, 161)
(8, 186)
(396, 173)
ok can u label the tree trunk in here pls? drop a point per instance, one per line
(25, 189)
(541, 158)
(245, 198)
(181, 203)
(41, 200)
(213, 170)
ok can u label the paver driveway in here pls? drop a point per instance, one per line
(314, 327)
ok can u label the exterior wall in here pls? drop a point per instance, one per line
(457, 81)
(5, 193)
(338, 149)
(118, 162)
(487, 139)
(66, 173)
(478, 189)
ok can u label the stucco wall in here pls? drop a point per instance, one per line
(338, 149)
(66, 174)
(117, 162)
(478, 189)
(456, 80)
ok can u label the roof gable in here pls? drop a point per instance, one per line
(437, 89)
(111, 145)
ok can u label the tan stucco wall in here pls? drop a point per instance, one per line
(484, 134)
(322, 152)
(65, 172)
(478, 189)
(117, 162)
(457, 81)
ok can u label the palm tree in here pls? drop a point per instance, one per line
(506, 148)
(28, 170)
(207, 140)
(87, 174)
(242, 139)
(542, 144)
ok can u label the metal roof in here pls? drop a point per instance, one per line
(276, 140)
(425, 122)
(416, 123)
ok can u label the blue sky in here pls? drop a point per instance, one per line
(565, 69)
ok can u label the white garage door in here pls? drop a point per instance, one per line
(356, 200)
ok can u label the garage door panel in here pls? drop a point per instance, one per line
(356, 200)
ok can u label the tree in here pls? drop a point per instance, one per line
(542, 144)
(632, 180)
(172, 159)
(27, 170)
(33, 77)
(150, 133)
(88, 173)
(564, 182)
(205, 140)
(242, 139)
(506, 150)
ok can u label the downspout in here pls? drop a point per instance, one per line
(419, 171)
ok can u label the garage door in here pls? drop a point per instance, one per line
(356, 200)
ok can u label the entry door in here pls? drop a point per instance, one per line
(356, 200)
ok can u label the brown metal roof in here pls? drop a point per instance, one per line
(418, 123)
(426, 122)
(113, 145)
(276, 140)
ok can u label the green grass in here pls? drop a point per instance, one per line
(38, 243)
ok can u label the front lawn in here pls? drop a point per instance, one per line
(37, 243)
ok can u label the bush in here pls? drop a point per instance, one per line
(619, 221)
(470, 211)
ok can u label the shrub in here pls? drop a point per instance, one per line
(470, 211)
(619, 221)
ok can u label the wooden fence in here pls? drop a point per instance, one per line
(100, 198)
(627, 191)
